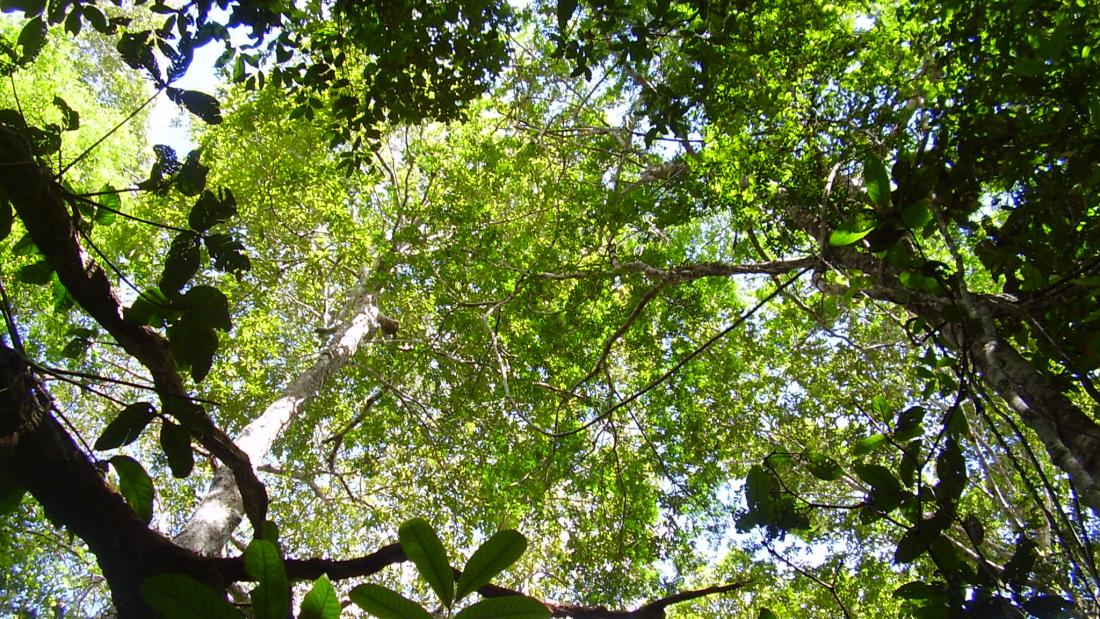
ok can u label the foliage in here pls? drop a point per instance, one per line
(745, 311)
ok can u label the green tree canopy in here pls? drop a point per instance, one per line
(582, 309)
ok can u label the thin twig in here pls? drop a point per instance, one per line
(675, 368)
(122, 122)
(9, 321)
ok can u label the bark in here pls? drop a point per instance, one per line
(220, 510)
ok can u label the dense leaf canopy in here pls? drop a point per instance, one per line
(639, 308)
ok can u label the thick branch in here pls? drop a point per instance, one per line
(39, 203)
(37, 454)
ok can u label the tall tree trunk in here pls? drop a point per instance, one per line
(220, 510)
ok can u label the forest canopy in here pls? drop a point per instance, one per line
(595, 309)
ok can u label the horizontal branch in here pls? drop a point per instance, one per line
(690, 272)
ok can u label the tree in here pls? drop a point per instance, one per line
(683, 291)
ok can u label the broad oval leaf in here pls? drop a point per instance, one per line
(193, 346)
(37, 274)
(32, 38)
(841, 237)
(766, 613)
(270, 600)
(422, 547)
(493, 557)
(179, 596)
(919, 591)
(182, 262)
(126, 427)
(917, 215)
(135, 485)
(386, 604)
(207, 306)
(869, 444)
(175, 441)
(877, 181)
(506, 607)
(321, 602)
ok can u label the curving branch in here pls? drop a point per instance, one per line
(39, 201)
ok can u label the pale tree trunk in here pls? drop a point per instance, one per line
(220, 510)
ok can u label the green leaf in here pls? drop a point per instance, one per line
(198, 103)
(126, 427)
(182, 262)
(886, 491)
(151, 308)
(386, 604)
(227, 253)
(911, 546)
(70, 119)
(193, 346)
(877, 181)
(207, 306)
(565, 10)
(423, 547)
(919, 591)
(909, 424)
(135, 485)
(76, 348)
(175, 441)
(869, 444)
(37, 274)
(841, 237)
(506, 607)
(822, 466)
(110, 203)
(766, 613)
(32, 38)
(271, 599)
(210, 210)
(917, 215)
(179, 596)
(191, 179)
(321, 602)
(917, 281)
(492, 558)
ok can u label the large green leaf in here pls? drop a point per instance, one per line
(493, 557)
(423, 547)
(175, 441)
(179, 596)
(386, 604)
(271, 599)
(207, 306)
(135, 485)
(193, 345)
(32, 38)
(182, 262)
(321, 602)
(506, 607)
(877, 181)
(126, 426)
